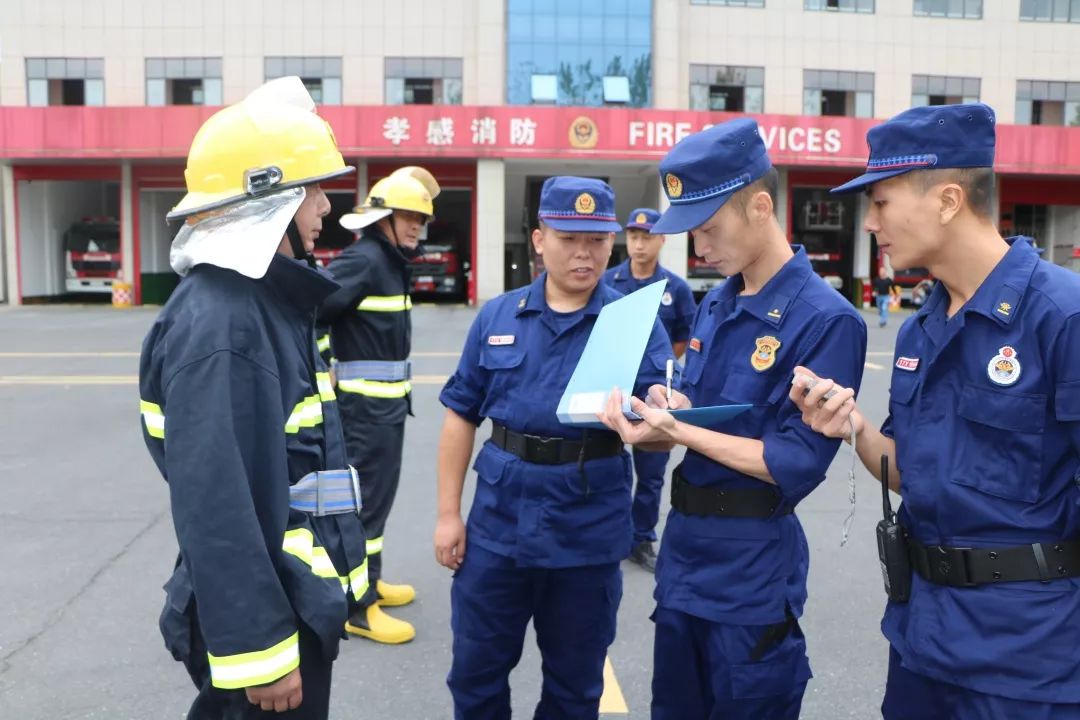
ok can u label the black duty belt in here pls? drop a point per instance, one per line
(556, 451)
(967, 567)
(729, 502)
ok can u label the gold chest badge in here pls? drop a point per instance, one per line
(764, 356)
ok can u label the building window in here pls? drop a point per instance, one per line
(599, 53)
(861, 6)
(838, 92)
(320, 75)
(183, 81)
(545, 88)
(1050, 10)
(730, 3)
(941, 90)
(616, 89)
(968, 9)
(423, 81)
(1043, 102)
(727, 88)
(65, 81)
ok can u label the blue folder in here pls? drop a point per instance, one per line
(612, 358)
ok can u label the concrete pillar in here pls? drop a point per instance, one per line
(490, 228)
(675, 252)
(127, 226)
(861, 256)
(9, 283)
(361, 181)
(782, 198)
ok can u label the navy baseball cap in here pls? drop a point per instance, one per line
(576, 204)
(705, 169)
(928, 138)
(642, 219)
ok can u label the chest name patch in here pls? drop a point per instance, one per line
(500, 340)
(906, 363)
(695, 344)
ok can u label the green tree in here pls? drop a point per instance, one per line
(641, 80)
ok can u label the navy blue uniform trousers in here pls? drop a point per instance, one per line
(573, 612)
(649, 467)
(704, 670)
(911, 695)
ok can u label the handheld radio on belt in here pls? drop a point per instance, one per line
(892, 545)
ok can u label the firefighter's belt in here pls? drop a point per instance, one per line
(971, 566)
(717, 502)
(327, 492)
(378, 370)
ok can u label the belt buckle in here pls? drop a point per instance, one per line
(951, 563)
(356, 489)
(544, 449)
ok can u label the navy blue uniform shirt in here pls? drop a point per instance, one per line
(743, 349)
(985, 410)
(516, 363)
(677, 305)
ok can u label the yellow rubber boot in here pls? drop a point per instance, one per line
(376, 625)
(394, 595)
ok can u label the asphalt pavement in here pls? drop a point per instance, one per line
(88, 542)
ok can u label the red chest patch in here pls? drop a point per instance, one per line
(906, 363)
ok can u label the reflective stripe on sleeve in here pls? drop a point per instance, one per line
(385, 303)
(323, 343)
(326, 388)
(308, 413)
(374, 545)
(154, 419)
(232, 672)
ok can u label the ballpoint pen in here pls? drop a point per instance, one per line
(670, 372)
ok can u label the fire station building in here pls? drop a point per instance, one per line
(99, 101)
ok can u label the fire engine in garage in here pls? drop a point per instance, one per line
(92, 255)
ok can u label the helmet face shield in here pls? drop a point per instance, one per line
(240, 236)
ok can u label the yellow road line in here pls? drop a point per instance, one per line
(67, 354)
(69, 379)
(133, 380)
(612, 701)
(15, 355)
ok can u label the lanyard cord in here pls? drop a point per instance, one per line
(850, 519)
(807, 383)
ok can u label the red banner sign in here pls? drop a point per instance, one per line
(454, 131)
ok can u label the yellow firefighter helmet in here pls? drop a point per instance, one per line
(408, 188)
(270, 141)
